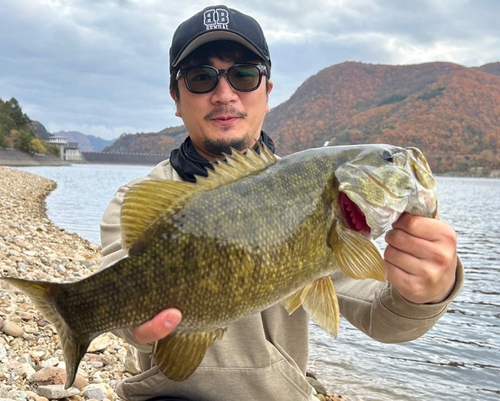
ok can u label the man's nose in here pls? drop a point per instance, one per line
(224, 92)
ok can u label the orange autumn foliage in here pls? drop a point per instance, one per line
(450, 112)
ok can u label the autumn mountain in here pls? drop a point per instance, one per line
(451, 112)
(157, 143)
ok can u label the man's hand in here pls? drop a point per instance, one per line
(421, 258)
(159, 327)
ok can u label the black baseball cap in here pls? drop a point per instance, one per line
(217, 23)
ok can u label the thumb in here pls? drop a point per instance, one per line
(159, 327)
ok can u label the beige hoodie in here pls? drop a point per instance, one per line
(264, 356)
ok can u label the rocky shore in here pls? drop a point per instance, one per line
(31, 363)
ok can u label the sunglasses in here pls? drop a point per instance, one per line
(205, 78)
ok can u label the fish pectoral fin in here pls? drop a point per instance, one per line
(319, 299)
(45, 297)
(179, 354)
(293, 302)
(356, 255)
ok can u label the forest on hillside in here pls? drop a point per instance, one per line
(157, 143)
(16, 132)
(450, 112)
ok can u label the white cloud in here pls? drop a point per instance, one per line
(454, 51)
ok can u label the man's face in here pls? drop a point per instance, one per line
(223, 118)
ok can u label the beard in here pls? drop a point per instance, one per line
(225, 146)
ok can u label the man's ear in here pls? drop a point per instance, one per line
(271, 86)
(176, 100)
(174, 96)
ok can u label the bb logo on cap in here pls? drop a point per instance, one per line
(216, 18)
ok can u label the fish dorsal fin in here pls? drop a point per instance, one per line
(146, 201)
(149, 200)
(237, 165)
(179, 354)
(356, 255)
(320, 301)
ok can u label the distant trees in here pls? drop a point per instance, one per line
(15, 132)
(149, 143)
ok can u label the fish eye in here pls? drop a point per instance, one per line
(388, 156)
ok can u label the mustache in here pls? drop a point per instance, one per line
(225, 110)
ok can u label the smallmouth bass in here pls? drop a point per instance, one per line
(255, 232)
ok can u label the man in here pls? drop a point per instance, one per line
(220, 81)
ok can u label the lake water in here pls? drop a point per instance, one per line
(459, 359)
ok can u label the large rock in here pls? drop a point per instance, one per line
(99, 391)
(50, 375)
(12, 329)
(99, 343)
(131, 365)
(25, 371)
(56, 392)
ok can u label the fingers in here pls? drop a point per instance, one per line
(422, 227)
(423, 238)
(421, 258)
(159, 327)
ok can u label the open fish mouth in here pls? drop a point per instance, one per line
(354, 216)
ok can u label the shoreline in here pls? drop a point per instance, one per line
(16, 158)
(32, 247)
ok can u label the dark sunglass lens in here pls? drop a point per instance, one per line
(244, 77)
(201, 79)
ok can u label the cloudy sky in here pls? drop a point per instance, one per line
(101, 66)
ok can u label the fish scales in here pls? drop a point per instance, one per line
(248, 241)
(255, 232)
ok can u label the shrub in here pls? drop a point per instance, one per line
(36, 146)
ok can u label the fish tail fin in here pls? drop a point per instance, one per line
(45, 297)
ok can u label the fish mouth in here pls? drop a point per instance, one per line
(354, 217)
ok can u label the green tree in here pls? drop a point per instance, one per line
(6, 122)
(22, 141)
(2, 138)
(12, 109)
(53, 150)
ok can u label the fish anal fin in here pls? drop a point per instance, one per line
(356, 255)
(179, 354)
(293, 302)
(319, 299)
